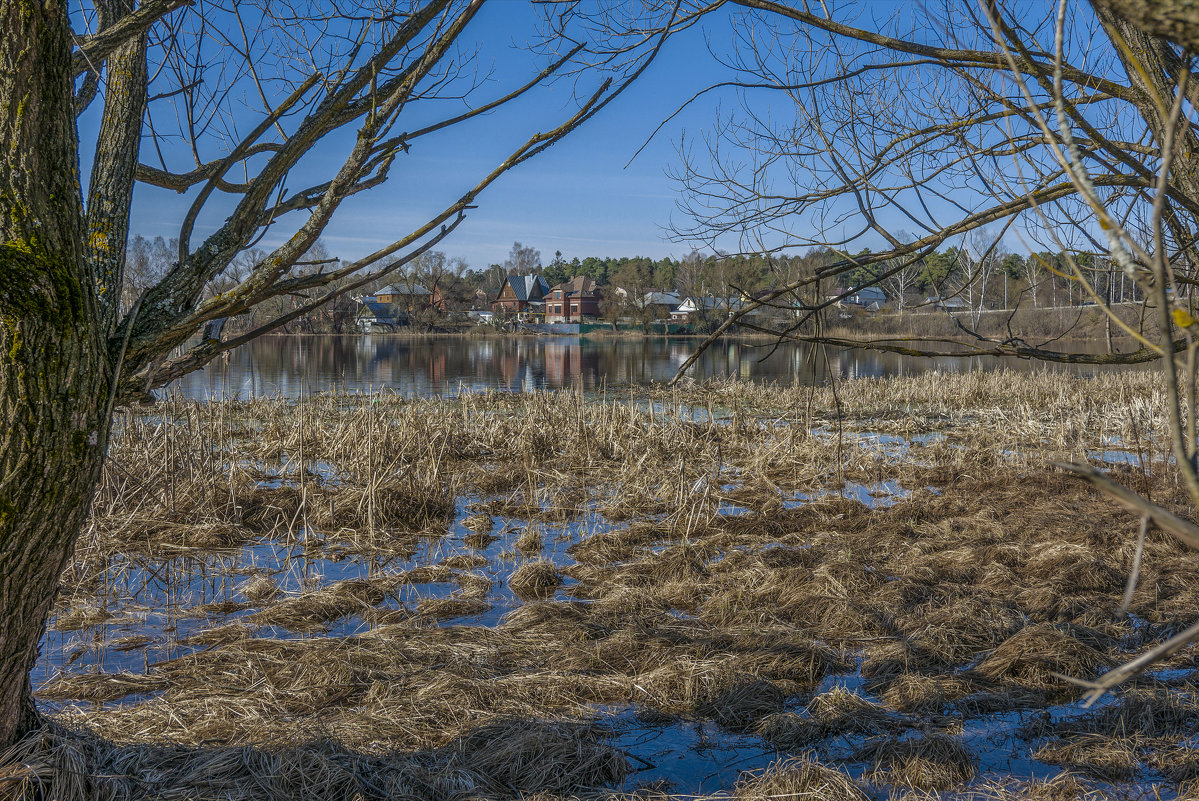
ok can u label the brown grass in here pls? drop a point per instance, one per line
(535, 580)
(799, 777)
(1038, 656)
(956, 603)
(929, 762)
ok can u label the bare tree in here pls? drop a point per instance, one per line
(268, 117)
(1071, 124)
(522, 260)
(690, 277)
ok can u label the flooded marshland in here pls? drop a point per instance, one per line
(876, 590)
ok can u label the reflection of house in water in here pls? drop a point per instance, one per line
(568, 362)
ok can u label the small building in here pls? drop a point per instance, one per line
(375, 316)
(704, 303)
(402, 295)
(864, 297)
(439, 300)
(952, 304)
(522, 295)
(663, 304)
(573, 300)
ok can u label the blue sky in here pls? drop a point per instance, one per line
(581, 197)
(578, 197)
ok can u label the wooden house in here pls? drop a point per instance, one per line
(522, 294)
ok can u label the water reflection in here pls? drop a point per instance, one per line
(290, 365)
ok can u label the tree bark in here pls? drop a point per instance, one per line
(1176, 20)
(54, 374)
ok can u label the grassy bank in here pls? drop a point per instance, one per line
(1075, 324)
(866, 591)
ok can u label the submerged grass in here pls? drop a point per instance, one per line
(453, 591)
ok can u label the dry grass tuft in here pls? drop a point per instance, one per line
(465, 561)
(535, 580)
(835, 713)
(1031, 657)
(1178, 763)
(479, 539)
(1063, 787)
(921, 694)
(500, 760)
(98, 686)
(928, 762)
(259, 589)
(1104, 756)
(799, 777)
(479, 524)
(515, 757)
(529, 542)
(81, 617)
(446, 608)
(740, 707)
(312, 611)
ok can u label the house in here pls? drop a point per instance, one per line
(375, 316)
(403, 295)
(953, 304)
(663, 304)
(706, 303)
(438, 299)
(522, 294)
(863, 297)
(573, 300)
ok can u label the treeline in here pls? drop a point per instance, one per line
(983, 274)
(981, 277)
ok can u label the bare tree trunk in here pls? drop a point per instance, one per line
(53, 351)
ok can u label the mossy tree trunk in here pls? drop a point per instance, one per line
(54, 352)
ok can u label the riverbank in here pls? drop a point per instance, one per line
(1089, 327)
(1086, 326)
(859, 591)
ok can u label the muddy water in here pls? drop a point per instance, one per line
(291, 365)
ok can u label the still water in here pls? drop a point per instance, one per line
(445, 365)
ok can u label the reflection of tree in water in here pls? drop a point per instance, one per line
(289, 365)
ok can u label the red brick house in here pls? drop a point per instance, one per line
(520, 294)
(438, 300)
(573, 300)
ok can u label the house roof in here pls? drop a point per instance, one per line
(526, 287)
(940, 301)
(579, 285)
(380, 311)
(402, 290)
(710, 302)
(662, 299)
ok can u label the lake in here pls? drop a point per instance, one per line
(290, 365)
